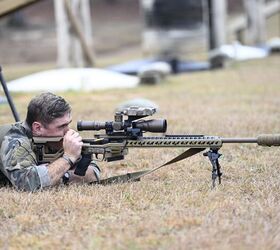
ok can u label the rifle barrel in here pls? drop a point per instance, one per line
(239, 140)
(262, 140)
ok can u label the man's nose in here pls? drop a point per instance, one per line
(65, 130)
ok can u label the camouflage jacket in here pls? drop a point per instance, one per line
(18, 164)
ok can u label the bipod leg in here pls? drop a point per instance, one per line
(213, 156)
(8, 96)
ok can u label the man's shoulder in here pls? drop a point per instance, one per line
(16, 149)
(4, 129)
(18, 130)
(16, 135)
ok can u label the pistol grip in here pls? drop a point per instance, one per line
(82, 165)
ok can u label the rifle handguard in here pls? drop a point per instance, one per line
(269, 140)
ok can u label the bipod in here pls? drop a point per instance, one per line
(213, 156)
(8, 96)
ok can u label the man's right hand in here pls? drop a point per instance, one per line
(72, 145)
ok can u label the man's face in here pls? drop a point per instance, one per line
(58, 127)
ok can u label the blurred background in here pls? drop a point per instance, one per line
(124, 30)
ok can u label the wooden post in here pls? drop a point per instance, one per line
(73, 12)
(217, 23)
(217, 29)
(63, 36)
(256, 33)
(74, 33)
(83, 55)
(86, 22)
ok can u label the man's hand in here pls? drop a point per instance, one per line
(72, 145)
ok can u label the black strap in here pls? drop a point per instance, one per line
(129, 177)
(135, 176)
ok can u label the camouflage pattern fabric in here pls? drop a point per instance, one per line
(17, 160)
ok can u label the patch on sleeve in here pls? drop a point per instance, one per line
(17, 154)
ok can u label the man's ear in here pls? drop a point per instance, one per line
(37, 128)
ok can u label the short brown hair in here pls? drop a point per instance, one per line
(45, 108)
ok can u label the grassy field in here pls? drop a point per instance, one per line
(174, 208)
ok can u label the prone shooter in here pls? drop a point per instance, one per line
(120, 135)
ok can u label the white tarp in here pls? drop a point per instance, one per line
(239, 52)
(73, 79)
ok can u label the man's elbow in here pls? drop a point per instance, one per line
(26, 179)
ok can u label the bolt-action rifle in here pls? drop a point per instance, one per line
(120, 135)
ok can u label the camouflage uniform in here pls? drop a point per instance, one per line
(18, 162)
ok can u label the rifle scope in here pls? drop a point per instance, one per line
(154, 125)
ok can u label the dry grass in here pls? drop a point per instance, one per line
(174, 208)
